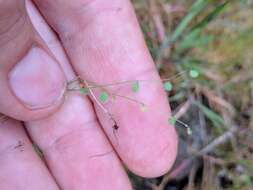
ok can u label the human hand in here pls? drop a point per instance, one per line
(100, 41)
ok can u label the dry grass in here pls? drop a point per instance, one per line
(217, 41)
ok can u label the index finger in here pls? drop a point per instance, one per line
(105, 45)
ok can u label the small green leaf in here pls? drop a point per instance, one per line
(136, 86)
(103, 96)
(189, 131)
(84, 91)
(168, 86)
(172, 120)
(193, 73)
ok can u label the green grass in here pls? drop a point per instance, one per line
(205, 61)
(214, 41)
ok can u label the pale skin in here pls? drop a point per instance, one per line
(99, 41)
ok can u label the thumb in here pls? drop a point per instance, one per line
(32, 83)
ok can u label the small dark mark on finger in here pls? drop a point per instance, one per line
(19, 146)
(118, 9)
(116, 127)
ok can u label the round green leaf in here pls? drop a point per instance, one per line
(168, 86)
(135, 86)
(104, 96)
(172, 120)
(194, 73)
(84, 91)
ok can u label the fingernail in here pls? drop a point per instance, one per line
(37, 80)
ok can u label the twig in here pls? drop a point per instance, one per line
(182, 110)
(173, 174)
(157, 19)
(192, 175)
(219, 140)
(187, 162)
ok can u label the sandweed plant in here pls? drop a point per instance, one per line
(86, 88)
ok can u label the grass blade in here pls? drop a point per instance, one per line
(196, 8)
(216, 119)
(193, 38)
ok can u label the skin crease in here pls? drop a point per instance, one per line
(70, 137)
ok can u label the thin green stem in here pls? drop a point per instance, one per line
(128, 98)
(131, 81)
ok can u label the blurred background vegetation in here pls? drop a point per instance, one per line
(215, 38)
